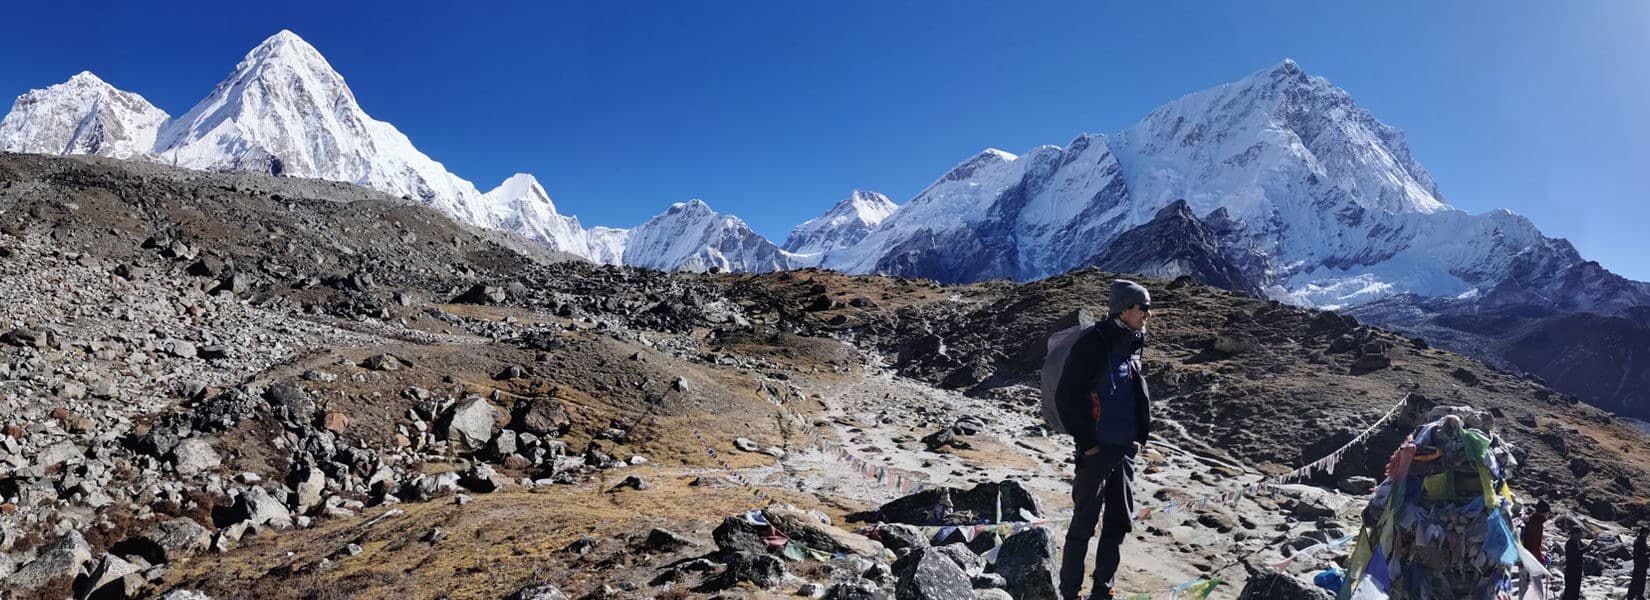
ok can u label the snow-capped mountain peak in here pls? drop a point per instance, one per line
(845, 224)
(690, 236)
(285, 111)
(84, 115)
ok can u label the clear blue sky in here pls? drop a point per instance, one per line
(775, 110)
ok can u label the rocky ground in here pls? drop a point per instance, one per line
(234, 386)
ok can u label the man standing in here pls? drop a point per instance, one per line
(1103, 402)
(1641, 563)
(1574, 565)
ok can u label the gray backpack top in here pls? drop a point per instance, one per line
(1054, 364)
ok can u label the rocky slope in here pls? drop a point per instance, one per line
(255, 386)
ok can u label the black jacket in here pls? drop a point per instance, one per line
(1090, 355)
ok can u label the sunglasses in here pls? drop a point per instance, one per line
(1145, 307)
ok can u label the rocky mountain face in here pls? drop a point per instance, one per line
(1323, 202)
(1175, 244)
(83, 115)
(231, 385)
(848, 222)
(283, 111)
(692, 237)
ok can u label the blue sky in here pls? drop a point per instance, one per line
(775, 110)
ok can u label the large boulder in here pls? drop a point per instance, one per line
(1267, 584)
(110, 577)
(736, 534)
(1028, 562)
(167, 541)
(62, 560)
(194, 456)
(762, 570)
(472, 425)
(541, 416)
(807, 529)
(257, 507)
(951, 506)
(929, 574)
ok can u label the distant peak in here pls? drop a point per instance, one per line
(1287, 66)
(283, 44)
(86, 77)
(1178, 208)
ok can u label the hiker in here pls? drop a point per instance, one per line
(1573, 565)
(1535, 531)
(1533, 539)
(1641, 563)
(1104, 404)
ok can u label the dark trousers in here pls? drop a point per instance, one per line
(1635, 586)
(1102, 485)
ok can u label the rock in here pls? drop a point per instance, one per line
(484, 479)
(182, 349)
(807, 530)
(307, 485)
(472, 425)
(382, 362)
(762, 570)
(632, 482)
(7, 566)
(542, 416)
(928, 574)
(746, 445)
(1234, 342)
(855, 591)
(810, 590)
(30, 338)
(504, 444)
(1369, 363)
(168, 541)
(185, 595)
(988, 580)
(60, 453)
(194, 456)
(970, 563)
(1267, 584)
(509, 373)
(111, 577)
(664, 540)
(335, 422)
(483, 294)
(899, 536)
(289, 402)
(735, 534)
(256, 507)
(55, 564)
(1028, 562)
(541, 591)
(1358, 486)
(1464, 376)
(211, 352)
(1217, 521)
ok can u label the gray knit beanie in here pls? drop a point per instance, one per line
(1125, 293)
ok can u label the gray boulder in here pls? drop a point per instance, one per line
(472, 425)
(1267, 584)
(168, 541)
(257, 507)
(194, 456)
(63, 559)
(112, 577)
(855, 591)
(762, 570)
(543, 591)
(928, 574)
(1028, 562)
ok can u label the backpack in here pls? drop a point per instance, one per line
(1054, 366)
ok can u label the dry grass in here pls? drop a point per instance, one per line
(497, 543)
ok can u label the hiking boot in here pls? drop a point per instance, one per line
(1103, 594)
